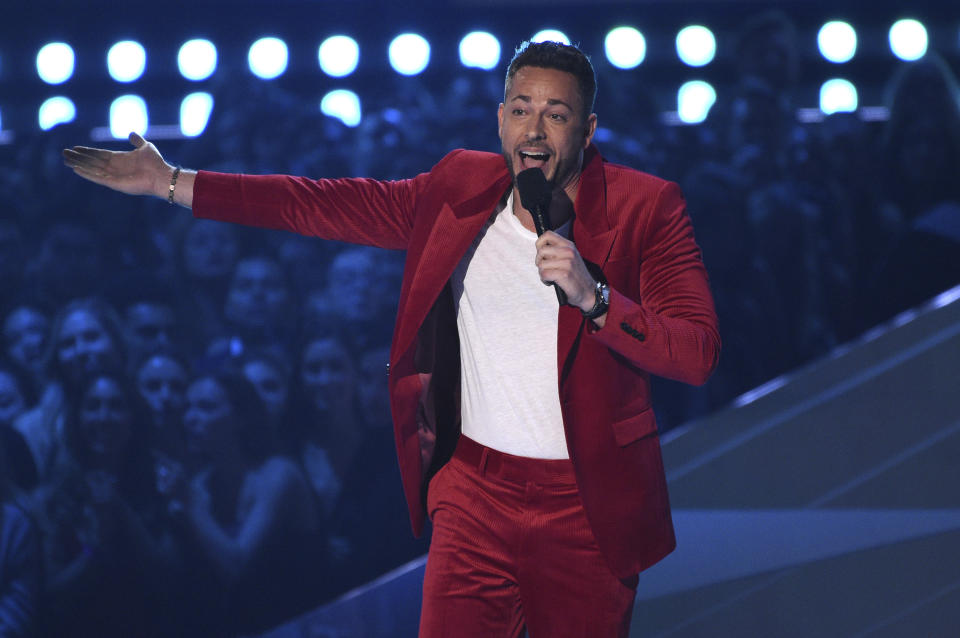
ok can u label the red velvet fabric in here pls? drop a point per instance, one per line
(512, 549)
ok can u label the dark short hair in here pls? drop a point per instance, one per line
(559, 56)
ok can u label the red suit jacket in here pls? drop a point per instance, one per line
(661, 318)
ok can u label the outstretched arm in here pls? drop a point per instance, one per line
(141, 171)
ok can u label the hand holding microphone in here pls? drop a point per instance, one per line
(535, 195)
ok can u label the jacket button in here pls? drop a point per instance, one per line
(641, 336)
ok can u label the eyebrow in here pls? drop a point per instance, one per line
(550, 102)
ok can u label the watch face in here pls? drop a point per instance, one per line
(605, 293)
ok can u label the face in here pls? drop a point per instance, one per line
(84, 346)
(209, 249)
(351, 281)
(543, 125)
(258, 294)
(150, 326)
(270, 385)
(25, 332)
(327, 374)
(209, 419)
(11, 400)
(162, 382)
(105, 419)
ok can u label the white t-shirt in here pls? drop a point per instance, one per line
(507, 319)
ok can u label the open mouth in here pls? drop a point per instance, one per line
(533, 159)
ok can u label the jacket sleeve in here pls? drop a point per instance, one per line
(671, 329)
(355, 210)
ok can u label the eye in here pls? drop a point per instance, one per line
(557, 117)
(518, 111)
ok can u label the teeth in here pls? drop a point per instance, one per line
(535, 156)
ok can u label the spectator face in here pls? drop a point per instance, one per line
(351, 285)
(162, 382)
(209, 420)
(150, 326)
(258, 294)
(11, 399)
(543, 115)
(270, 385)
(25, 332)
(105, 419)
(327, 374)
(84, 346)
(209, 250)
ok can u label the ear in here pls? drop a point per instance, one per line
(591, 128)
(500, 121)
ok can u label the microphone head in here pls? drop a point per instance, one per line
(535, 191)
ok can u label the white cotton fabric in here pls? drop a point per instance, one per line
(507, 319)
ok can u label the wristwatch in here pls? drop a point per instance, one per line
(602, 292)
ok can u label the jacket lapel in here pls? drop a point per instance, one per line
(447, 240)
(593, 236)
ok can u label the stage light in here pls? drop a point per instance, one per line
(908, 40)
(195, 112)
(197, 59)
(339, 56)
(409, 54)
(128, 113)
(838, 96)
(126, 61)
(480, 50)
(56, 110)
(696, 45)
(837, 41)
(550, 35)
(268, 58)
(343, 105)
(694, 100)
(625, 47)
(55, 62)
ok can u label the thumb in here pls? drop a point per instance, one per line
(136, 140)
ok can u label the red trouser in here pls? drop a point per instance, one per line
(512, 549)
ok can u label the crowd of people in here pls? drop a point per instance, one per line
(194, 426)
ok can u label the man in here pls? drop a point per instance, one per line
(555, 496)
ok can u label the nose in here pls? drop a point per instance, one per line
(536, 130)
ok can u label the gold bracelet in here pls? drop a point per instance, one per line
(173, 184)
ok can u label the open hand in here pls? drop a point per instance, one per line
(141, 171)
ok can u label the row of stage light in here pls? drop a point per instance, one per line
(409, 54)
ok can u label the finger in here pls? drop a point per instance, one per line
(136, 140)
(72, 158)
(94, 176)
(93, 153)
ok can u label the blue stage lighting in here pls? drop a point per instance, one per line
(696, 45)
(480, 50)
(550, 35)
(128, 113)
(126, 61)
(625, 47)
(195, 110)
(908, 40)
(837, 41)
(694, 100)
(268, 58)
(197, 59)
(409, 54)
(339, 56)
(56, 110)
(343, 105)
(838, 96)
(55, 62)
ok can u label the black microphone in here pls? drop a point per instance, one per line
(535, 194)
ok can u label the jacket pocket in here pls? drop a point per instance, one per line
(628, 430)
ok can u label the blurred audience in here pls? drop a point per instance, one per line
(195, 431)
